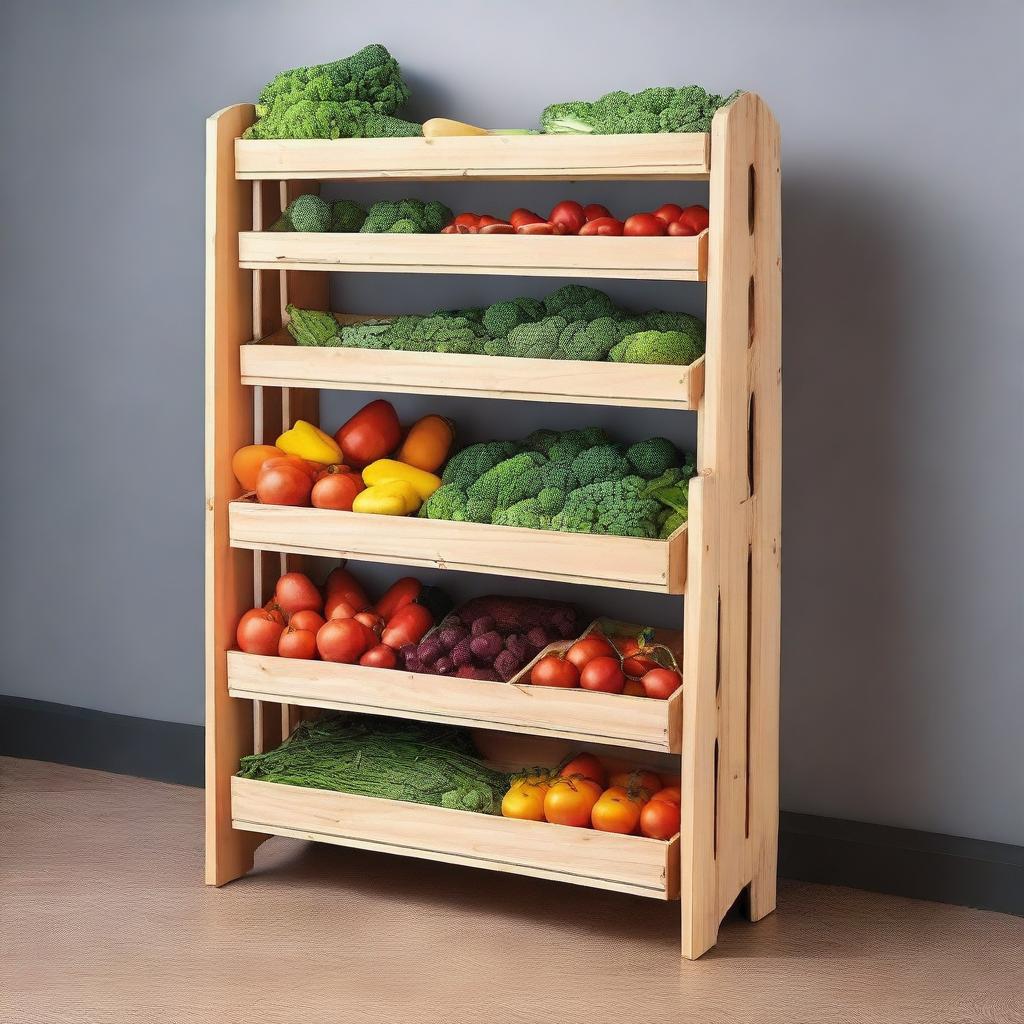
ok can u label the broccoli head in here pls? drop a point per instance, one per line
(510, 481)
(653, 457)
(373, 334)
(389, 215)
(529, 514)
(565, 445)
(603, 462)
(474, 313)
(313, 327)
(328, 119)
(590, 341)
(347, 216)
(502, 317)
(449, 334)
(579, 302)
(466, 465)
(616, 507)
(304, 213)
(667, 348)
(662, 320)
(530, 341)
(447, 502)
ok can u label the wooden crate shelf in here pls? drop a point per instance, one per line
(602, 860)
(607, 718)
(652, 259)
(278, 362)
(625, 562)
(487, 158)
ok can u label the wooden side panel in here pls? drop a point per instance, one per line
(229, 424)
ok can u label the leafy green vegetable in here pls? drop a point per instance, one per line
(312, 327)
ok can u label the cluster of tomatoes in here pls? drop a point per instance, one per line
(618, 665)
(583, 795)
(572, 218)
(340, 624)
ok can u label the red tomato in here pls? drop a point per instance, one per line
(487, 219)
(643, 780)
(380, 656)
(668, 212)
(536, 228)
(553, 670)
(372, 622)
(467, 220)
(295, 592)
(661, 683)
(604, 674)
(259, 630)
(341, 583)
(616, 812)
(643, 224)
(339, 608)
(695, 217)
(570, 214)
(407, 626)
(634, 688)
(371, 434)
(672, 794)
(637, 665)
(678, 228)
(342, 640)
(283, 482)
(587, 766)
(297, 643)
(398, 595)
(336, 489)
(570, 801)
(602, 226)
(306, 620)
(659, 819)
(246, 462)
(592, 646)
(522, 216)
(595, 211)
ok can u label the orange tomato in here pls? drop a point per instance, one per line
(295, 592)
(659, 819)
(306, 620)
(297, 643)
(427, 444)
(259, 631)
(570, 801)
(586, 765)
(644, 780)
(670, 793)
(246, 462)
(616, 812)
(525, 800)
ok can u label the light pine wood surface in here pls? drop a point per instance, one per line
(103, 922)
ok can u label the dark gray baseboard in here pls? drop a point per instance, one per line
(899, 861)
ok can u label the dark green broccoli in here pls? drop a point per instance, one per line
(510, 481)
(502, 317)
(304, 213)
(529, 341)
(447, 502)
(662, 320)
(469, 463)
(313, 327)
(565, 445)
(373, 334)
(389, 215)
(310, 119)
(667, 348)
(653, 457)
(403, 327)
(346, 216)
(590, 341)
(529, 514)
(449, 334)
(666, 109)
(616, 507)
(603, 462)
(474, 313)
(579, 302)
(404, 227)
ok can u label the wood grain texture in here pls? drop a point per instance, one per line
(109, 925)
(656, 259)
(494, 158)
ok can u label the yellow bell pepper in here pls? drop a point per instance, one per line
(311, 443)
(395, 498)
(385, 471)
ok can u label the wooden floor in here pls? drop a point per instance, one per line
(104, 919)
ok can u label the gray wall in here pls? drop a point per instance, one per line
(903, 400)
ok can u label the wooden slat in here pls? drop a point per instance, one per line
(664, 259)
(636, 722)
(494, 158)
(275, 362)
(602, 860)
(625, 562)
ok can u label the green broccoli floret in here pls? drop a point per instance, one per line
(603, 462)
(530, 341)
(466, 465)
(510, 481)
(662, 320)
(404, 227)
(663, 109)
(447, 502)
(310, 119)
(474, 313)
(502, 317)
(613, 507)
(403, 327)
(346, 216)
(313, 327)
(667, 348)
(579, 302)
(372, 334)
(529, 514)
(591, 341)
(383, 126)
(304, 213)
(389, 215)
(653, 457)
(449, 334)
(565, 445)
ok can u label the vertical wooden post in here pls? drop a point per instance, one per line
(730, 714)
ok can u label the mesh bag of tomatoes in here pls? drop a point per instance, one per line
(582, 793)
(611, 657)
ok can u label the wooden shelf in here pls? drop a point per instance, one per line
(636, 722)
(277, 361)
(601, 860)
(488, 158)
(624, 562)
(657, 259)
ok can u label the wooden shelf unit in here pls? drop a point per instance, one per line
(721, 728)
